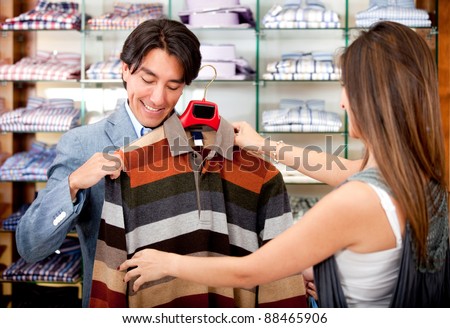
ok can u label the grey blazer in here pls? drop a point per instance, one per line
(52, 215)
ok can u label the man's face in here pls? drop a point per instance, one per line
(154, 89)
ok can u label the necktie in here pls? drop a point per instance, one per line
(145, 130)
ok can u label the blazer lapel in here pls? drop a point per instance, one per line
(119, 128)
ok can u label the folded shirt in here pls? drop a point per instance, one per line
(46, 65)
(293, 15)
(303, 66)
(296, 115)
(126, 16)
(10, 223)
(405, 15)
(47, 15)
(29, 165)
(108, 69)
(301, 128)
(41, 114)
(301, 76)
(63, 266)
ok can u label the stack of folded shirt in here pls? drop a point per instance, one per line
(29, 166)
(47, 15)
(10, 223)
(223, 58)
(301, 116)
(217, 13)
(63, 266)
(293, 15)
(41, 114)
(45, 65)
(126, 16)
(400, 11)
(303, 66)
(105, 70)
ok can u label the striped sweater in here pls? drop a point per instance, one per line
(213, 200)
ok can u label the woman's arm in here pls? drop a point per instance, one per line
(322, 166)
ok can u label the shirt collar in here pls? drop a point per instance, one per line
(179, 143)
(137, 126)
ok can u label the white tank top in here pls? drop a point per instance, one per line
(368, 280)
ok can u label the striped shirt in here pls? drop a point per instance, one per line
(172, 196)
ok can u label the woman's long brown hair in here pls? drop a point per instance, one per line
(390, 77)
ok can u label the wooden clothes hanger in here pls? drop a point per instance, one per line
(202, 112)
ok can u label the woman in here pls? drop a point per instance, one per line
(381, 235)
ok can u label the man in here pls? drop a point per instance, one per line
(159, 58)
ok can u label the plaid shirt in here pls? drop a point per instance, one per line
(109, 69)
(45, 65)
(62, 267)
(126, 16)
(29, 166)
(10, 223)
(47, 15)
(40, 114)
(313, 15)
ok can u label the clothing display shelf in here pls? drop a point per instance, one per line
(38, 61)
(297, 44)
(103, 38)
(293, 28)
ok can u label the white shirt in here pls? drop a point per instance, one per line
(368, 280)
(137, 126)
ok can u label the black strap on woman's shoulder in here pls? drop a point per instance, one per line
(328, 285)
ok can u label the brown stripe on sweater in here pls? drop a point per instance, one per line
(181, 293)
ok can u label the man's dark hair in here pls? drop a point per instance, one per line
(171, 36)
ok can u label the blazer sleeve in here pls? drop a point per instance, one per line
(44, 226)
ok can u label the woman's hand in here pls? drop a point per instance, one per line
(146, 265)
(247, 137)
(308, 277)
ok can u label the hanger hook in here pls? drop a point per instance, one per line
(212, 80)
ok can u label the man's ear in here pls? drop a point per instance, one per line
(125, 71)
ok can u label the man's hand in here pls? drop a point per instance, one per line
(93, 170)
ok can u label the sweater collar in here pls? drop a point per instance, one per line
(220, 141)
